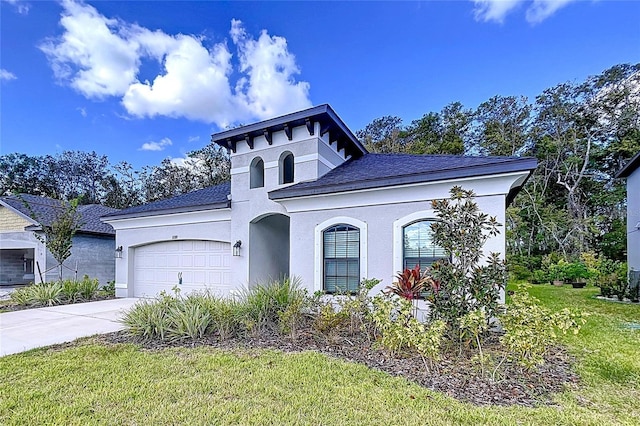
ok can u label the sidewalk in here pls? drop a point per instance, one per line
(35, 328)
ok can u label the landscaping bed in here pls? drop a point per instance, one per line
(455, 376)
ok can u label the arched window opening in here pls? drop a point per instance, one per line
(286, 168)
(341, 253)
(256, 173)
(418, 246)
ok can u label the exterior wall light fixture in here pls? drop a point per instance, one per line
(119, 252)
(236, 248)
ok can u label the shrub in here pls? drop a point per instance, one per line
(70, 291)
(109, 289)
(149, 319)
(400, 331)
(530, 329)
(188, 318)
(21, 296)
(45, 294)
(539, 277)
(88, 288)
(265, 303)
(464, 286)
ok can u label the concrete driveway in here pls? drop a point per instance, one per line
(35, 328)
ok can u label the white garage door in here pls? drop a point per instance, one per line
(202, 265)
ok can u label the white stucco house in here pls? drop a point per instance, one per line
(631, 172)
(305, 199)
(24, 257)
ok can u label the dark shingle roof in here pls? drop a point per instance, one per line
(382, 170)
(630, 167)
(43, 210)
(214, 197)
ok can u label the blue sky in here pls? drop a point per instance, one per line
(142, 81)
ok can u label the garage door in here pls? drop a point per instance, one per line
(202, 265)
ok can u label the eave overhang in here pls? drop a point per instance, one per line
(630, 167)
(517, 165)
(177, 210)
(329, 122)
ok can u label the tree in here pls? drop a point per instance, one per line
(383, 135)
(502, 125)
(58, 235)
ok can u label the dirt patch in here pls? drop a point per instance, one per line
(456, 375)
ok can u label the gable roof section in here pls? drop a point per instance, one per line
(630, 167)
(213, 197)
(45, 210)
(329, 123)
(383, 170)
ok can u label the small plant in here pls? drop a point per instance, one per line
(409, 284)
(188, 318)
(21, 296)
(70, 291)
(88, 287)
(46, 294)
(266, 302)
(149, 319)
(109, 289)
(530, 329)
(400, 331)
(576, 272)
(539, 276)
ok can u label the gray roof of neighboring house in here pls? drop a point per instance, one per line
(630, 167)
(43, 210)
(214, 197)
(329, 123)
(383, 170)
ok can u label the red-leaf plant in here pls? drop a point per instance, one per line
(410, 283)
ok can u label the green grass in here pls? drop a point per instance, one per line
(91, 383)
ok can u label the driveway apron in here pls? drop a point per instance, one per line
(35, 328)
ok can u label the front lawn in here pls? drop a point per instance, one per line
(96, 383)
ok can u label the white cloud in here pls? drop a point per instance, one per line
(101, 57)
(194, 138)
(7, 75)
(536, 12)
(542, 9)
(156, 146)
(82, 111)
(20, 6)
(494, 10)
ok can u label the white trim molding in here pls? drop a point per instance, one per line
(318, 251)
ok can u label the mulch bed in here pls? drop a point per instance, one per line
(456, 376)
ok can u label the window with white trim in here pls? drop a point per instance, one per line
(341, 256)
(256, 173)
(418, 246)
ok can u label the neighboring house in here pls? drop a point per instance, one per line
(306, 200)
(22, 254)
(632, 174)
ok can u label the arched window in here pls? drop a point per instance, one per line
(418, 246)
(256, 173)
(286, 168)
(341, 254)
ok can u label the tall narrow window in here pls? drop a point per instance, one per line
(418, 246)
(341, 248)
(286, 168)
(256, 173)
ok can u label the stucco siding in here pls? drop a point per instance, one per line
(133, 233)
(633, 220)
(92, 255)
(10, 221)
(382, 244)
